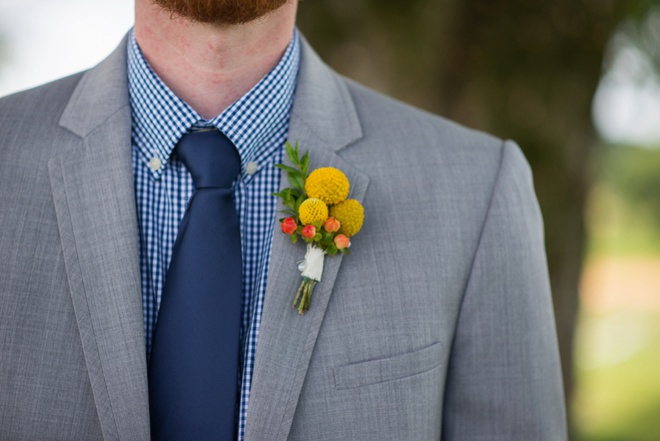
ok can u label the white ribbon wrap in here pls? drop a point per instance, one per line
(313, 267)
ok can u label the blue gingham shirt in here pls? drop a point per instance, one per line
(257, 124)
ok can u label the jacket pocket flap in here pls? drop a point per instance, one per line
(387, 369)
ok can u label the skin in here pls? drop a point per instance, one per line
(210, 66)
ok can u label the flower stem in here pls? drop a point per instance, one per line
(304, 295)
(298, 294)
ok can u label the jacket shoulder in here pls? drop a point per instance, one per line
(376, 108)
(432, 168)
(40, 105)
(30, 132)
(414, 139)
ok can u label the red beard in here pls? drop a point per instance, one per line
(220, 11)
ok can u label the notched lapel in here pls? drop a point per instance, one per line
(92, 186)
(286, 339)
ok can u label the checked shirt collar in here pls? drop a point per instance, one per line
(160, 118)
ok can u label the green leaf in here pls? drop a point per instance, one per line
(295, 174)
(293, 192)
(294, 238)
(292, 153)
(299, 201)
(345, 251)
(304, 165)
(283, 194)
(287, 168)
(288, 196)
(297, 181)
(317, 237)
(331, 250)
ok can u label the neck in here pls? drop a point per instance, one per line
(211, 66)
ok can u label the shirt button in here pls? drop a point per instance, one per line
(154, 164)
(251, 168)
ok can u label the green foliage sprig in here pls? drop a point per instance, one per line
(295, 195)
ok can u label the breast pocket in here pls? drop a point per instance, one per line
(387, 369)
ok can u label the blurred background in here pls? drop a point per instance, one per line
(575, 82)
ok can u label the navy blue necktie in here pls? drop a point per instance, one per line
(193, 369)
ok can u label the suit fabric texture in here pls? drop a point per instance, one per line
(439, 325)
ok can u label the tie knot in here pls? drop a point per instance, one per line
(210, 157)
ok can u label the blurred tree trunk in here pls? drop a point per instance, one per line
(521, 69)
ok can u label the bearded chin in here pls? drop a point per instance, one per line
(220, 11)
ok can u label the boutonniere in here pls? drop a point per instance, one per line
(320, 214)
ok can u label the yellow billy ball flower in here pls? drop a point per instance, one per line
(328, 184)
(350, 215)
(313, 211)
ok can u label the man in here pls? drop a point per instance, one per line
(438, 325)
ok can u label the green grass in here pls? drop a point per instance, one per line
(618, 377)
(620, 228)
(641, 242)
(617, 354)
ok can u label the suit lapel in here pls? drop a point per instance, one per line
(92, 186)
(323, 121)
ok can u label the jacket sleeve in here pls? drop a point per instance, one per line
(504, 377)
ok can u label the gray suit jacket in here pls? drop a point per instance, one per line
(438, 325)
